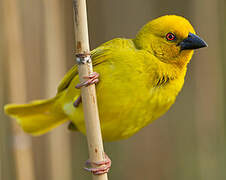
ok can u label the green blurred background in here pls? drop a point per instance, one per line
(36, 49)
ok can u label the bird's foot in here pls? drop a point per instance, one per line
(102, 166)
(91, 79)
(77, 101)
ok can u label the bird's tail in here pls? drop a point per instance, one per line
(38, 117)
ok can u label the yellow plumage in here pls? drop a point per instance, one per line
(139, 81)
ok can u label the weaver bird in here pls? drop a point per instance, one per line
(140, 80)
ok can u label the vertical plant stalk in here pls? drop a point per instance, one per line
(55, 66)
(83, 58)
(209, 119)
(22, 145)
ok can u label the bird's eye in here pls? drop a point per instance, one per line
(170, 37)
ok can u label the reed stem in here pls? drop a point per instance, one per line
(89, 101)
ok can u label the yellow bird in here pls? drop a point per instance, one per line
(139, 81)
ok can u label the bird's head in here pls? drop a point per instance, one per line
(170, 38)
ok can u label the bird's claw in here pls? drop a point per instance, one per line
(103, 166)
(91, 79)
(77, 101)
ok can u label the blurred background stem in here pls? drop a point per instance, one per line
(22, 147)
(55, 68)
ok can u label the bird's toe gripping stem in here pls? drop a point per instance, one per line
(102, 166)
(91, 79)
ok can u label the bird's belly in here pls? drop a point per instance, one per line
(126, 119)
(125, 105)
(122, 115)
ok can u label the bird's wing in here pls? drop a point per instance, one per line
(67, 79)
(99, 55)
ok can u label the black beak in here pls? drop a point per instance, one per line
(192, 42)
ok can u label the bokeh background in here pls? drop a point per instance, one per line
(36, 49)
